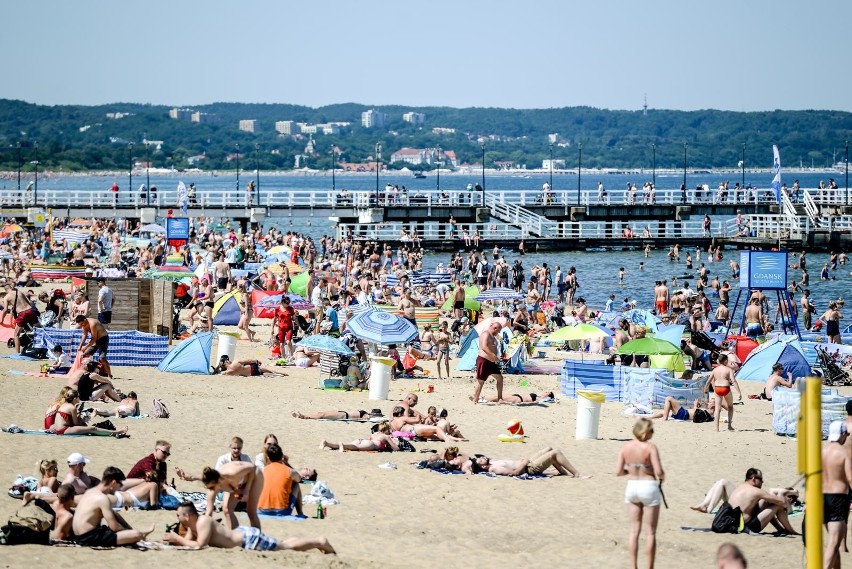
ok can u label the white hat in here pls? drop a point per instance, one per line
(76, 458)
(836, 430)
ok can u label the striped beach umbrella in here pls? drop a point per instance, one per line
(382, 327)
(498, 294)
(323, 343)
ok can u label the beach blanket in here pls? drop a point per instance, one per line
(290, 518)
(21, 357)
(126, 348)
(491, 475)
(56, 272)
(16, 430)
(60, 235)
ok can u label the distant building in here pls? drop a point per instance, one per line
(414, 156)
(557, 164)
(115, 116)
(249, 125)
(449, 158)
(200, 117)
(306, 128)
(414, 118)
(193, 160)
(442, 130)
(286, 127)
(373, 119)
(329, 128)
(180, 114)
(553, 138)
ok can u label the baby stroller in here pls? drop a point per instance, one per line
(833, 374)
(705, 342)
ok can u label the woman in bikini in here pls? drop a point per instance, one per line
(519, 398)
(246, 311)
(832, 317)
(350, 415)
(143, 496)
(65, 421)
(379, 441)
(427, 343)
(412, 425)
(639, 460)
(48, 481)
(721, 380)
(442, 342)
(236, 480)
(246, 368)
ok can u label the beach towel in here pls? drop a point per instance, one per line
(21, 357)
(290, 518)
(16, 430)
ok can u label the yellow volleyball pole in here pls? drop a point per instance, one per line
(811, 406)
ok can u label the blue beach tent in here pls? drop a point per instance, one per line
(190, 356)
(468, 350)
(788, 353)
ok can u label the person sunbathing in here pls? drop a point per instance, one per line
(350, 415)
(92, 386)
(127, 407)
(246, 368)
(520, 398)
(672, 408)
(142, 496)
(65, 420)
(413, 425)
(722, 489)
(548, 461)
(203, 531)
(305, 358)
(450, 459)
(380, 441)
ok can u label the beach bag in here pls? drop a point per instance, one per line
(702, 416)
(31, 524)
(727, 519)
(35, 353)
(159, 409)
(404, 445)
(169, 502)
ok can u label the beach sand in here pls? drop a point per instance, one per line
(409, 517)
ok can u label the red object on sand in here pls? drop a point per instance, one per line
(744, 346)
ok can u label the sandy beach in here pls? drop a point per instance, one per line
(410, 517)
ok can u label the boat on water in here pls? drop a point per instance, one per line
(419, 175)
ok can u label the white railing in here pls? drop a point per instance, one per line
(827, 196)
(793, 219)
(670, 229)
(812, 209)
(523, 218)
(773, 226)
(415, 231)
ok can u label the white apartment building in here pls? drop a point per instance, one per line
(373, 118)
(286, 127)
(414, 118)
(249, 125)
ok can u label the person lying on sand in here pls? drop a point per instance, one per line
(379, 441)
(127, 407)
(451, 459)
(203, 531)
(722, 489)
(411, 425)
(350, 415)
(246, 368)
(519, 398)
(673, 409)
(548, 461)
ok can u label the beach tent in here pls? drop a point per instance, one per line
(226, 310)
(299, 284)
(789, 353)
(468, 350)
(190, 356)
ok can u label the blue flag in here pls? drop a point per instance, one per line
(776, 169)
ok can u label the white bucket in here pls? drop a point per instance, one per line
(227, 346)
(588, 414)
(381, 372)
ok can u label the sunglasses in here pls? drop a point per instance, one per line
(165, 452)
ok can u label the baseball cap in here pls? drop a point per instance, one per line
(836, 430)
(76, 458)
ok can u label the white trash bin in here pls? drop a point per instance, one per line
(381, 372)
(588, 414)
(227, 346)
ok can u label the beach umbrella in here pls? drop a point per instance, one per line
(80, 222)
(10, 228)
(580, 331)
(470, 302)
(323, 343)
(294, 268)
(152, 228)
(497, 294)
(279, 249)
(299, 284)
(296, 301)
(484, 324)
(638, 317)
(649, 346)
(671, 333)
(382, 327)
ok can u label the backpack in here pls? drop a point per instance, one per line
(727, 519)
(30, 524)
(702, 416)
(159, 409)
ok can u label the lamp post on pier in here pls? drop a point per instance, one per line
(742, 165)
(147, 174)
(333, 181)
(579, 168)
(238, 167)
(19, 167)
(847, 172)
(685, 145)
(551, 166)
(482, 144)
(257, 169)
(654, 165)
(378, 167)
(130, 170)
(438, 171)
(35, 190)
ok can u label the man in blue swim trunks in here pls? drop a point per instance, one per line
(754, 318)
(204, 531)
(672, 408)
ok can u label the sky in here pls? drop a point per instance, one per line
(742, 55)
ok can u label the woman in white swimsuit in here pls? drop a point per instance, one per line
(639, 460)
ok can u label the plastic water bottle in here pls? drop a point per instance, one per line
(618, 360)
(320, 513)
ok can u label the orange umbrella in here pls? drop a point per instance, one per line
(81, 222)
(9, 229)
(294, 268)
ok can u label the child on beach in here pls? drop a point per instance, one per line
(61, 363)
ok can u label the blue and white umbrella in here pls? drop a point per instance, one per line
(360, 308)
(499, 293)
(323, 343)
(382, 327)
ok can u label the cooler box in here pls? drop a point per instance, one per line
(381, 372)
(588, 414)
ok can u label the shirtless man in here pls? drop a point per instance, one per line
(203, 531)
(64, 516)
(722, 312)
(442, 344)
(622, 334)
(754, 318)
(98, 343)
(836, 480)
(18, 304)
(77, 477)
(95, 507)
(661, 298)
(406, 307)
(408, 402)
(775, 380)
(759, 507)
(486, 362)
(548, 461)
(722, 379)
(458, 300)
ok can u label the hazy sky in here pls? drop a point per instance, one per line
(741, 55)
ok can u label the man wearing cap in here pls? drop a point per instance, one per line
(836, 480)
(105, 297)
(77, 477)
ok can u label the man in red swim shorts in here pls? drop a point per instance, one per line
(284, 318)
(486, 362)
(24, 313)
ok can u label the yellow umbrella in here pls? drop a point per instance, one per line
(294, 268)
(279, 249)
(10, 228)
